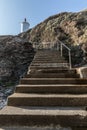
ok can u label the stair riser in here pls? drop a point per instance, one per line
(41, 55)
(49, 90)
(45, 67)
(48, 56)
(57, 71)
(53, 70)
(48, 62)
(49, 66)
(53, 81)
(48, 59)
(43, 120)
(51, 61)
(49, 75)
(47, 101)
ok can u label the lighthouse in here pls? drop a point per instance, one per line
(24, 26)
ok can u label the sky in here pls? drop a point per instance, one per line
(13, 12)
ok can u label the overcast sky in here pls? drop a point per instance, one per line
(13, 12)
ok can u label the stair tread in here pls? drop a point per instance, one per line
(51, 85)
(58, 61)
(55, 111)
(47, 63)
(25, 95)
(54, 79)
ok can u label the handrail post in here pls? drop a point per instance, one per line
(61, 49)
(69, 52)
(57, 44)
(70, 59)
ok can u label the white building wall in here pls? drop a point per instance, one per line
(24, 26)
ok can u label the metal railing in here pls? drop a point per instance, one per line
(45, 45)
(58, 45)
(69, 52)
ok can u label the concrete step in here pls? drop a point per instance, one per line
(39, 128)
(49, 57)
(47, 51)
(48, 67)
(49, 64)
(49, 60)
(42, 62)
(54, 70)
(65, 100)
(53, 81)
(43, 116)
(52, 75)
(57, 89)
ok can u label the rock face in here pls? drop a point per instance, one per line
(15, 56)
(70, 28)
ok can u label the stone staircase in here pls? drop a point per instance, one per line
(50, 94)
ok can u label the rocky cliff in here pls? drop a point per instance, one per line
(15, 56)
(71, 28)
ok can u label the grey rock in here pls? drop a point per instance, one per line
(15, 56)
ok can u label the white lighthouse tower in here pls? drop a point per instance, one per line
(24, 26)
